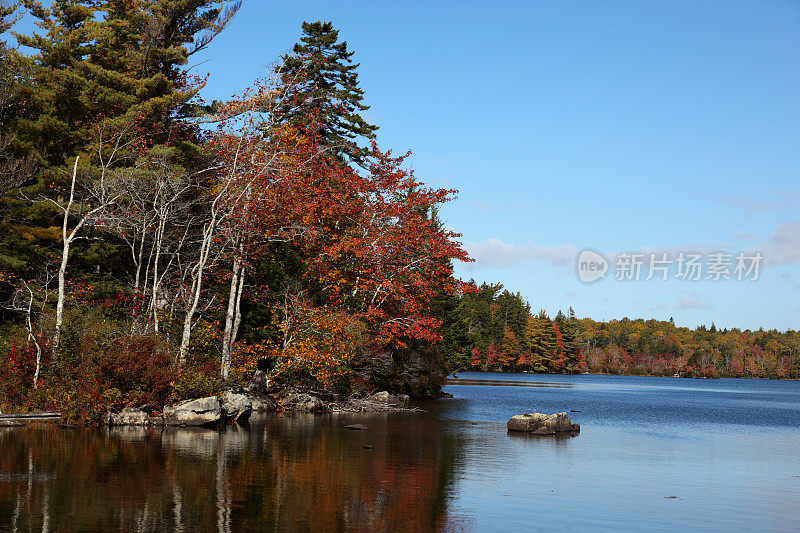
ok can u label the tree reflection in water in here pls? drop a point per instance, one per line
(301, 472)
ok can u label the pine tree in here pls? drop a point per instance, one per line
(324, 85)
(103, 69)
(510, 349)
(570, 329)
(542, 341)
(107, 64)
(16, 163)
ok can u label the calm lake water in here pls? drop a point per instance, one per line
(662, 454)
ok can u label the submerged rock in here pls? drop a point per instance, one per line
(357, 427)
(236, 405)
(200, 412)
(129, 416)
(542, 424)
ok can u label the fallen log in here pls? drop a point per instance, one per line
(30, 416)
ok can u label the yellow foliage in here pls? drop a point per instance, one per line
(320, 341)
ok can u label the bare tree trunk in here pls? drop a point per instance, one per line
(68, 238)
(138, 257)
(237, 320)
(158, 245)
(197, 286)
(62, 271)
(32, 337)
(232, 317)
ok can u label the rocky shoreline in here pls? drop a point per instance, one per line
(235, 405)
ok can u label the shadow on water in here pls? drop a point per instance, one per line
(561, 436)
(301, 472)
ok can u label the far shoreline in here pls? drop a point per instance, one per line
(618, 374)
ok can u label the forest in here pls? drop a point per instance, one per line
(156, 246)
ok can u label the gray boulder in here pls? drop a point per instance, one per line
(236, 406)
(263, 403)
(542, 424)
(300, 401)
(200, 412)
(129, 416)
(383, 397)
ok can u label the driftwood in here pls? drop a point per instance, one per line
(355, 405)
(30, 416)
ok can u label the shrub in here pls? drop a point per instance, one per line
(195, 382)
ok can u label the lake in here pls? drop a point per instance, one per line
(663, 454)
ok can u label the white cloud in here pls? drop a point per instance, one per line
(783, 246)
(674, 251)
(690, 303)
(775, 200)
(494, 253)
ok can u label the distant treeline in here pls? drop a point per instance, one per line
(502, 334)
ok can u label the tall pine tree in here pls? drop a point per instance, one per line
(324, 93)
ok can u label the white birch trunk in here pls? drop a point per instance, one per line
(197, 287)
(62, 271)
(232, 316)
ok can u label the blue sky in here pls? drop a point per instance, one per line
(614, 126)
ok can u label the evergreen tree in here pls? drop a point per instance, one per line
(104, 71)
(325, 87)
(542, 341)
(110, 63)
(570, 330)
(16, 163)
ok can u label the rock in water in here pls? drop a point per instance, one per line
(300, 401)
(129, 416)
(357, 427)
(200, 412)
(236, 406)
(382, 396)
(385, 397)
(542, 424)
